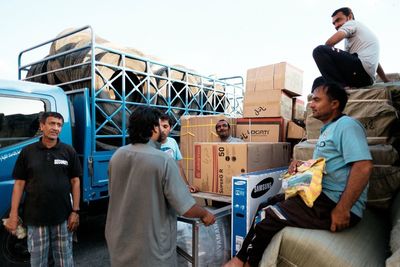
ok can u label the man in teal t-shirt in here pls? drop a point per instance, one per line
(344, 146)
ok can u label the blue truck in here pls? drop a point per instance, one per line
(95, 86)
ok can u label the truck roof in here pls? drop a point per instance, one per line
(24, 86)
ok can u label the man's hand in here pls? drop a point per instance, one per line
(193, 188)
(11, 225)
(208, 218)
(340, 219)
(73, 221)
(293, 166)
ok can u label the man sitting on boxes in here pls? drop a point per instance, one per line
(223, 130)
(340, 205)
(356, 66)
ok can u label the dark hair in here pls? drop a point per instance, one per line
(47, 114)
(229, 126)
(166, 117)
(345, 10)
(318, 82)
(335, 91)
(141, 124)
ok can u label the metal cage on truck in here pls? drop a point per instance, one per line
(105, 82)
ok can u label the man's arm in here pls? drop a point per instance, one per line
(336, 38)
(198, 212)
(382, 74)
(192, 188)
(358, 179)
(18, 190)
(73, 219)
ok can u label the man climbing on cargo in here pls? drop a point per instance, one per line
(48, 172)
(223, 129)
(146, 194)
(357, 64)
(340, 205)
(170, 146)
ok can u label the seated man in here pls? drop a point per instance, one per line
(344, 146)
(223, 130)
(357, 65)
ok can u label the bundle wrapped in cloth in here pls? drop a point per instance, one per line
(306, 182)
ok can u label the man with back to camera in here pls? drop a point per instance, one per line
(357, 65)
(48, 171)
(170, 146)
(146, 193)
(344, 146)
(223, 129)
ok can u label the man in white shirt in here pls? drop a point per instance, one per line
(357, 64)
(170, 146)
(223, 129)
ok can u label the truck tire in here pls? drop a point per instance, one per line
(13, 251)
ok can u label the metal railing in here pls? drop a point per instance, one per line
(120, 80)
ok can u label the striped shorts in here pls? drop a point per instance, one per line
(40, 238)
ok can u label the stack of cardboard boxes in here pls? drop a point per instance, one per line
(270, 103)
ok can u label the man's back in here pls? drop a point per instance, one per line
(149, 192)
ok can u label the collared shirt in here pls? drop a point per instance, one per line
(146, 193)
(48, 173)
(342, 142)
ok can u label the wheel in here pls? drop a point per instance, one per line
(13, 251)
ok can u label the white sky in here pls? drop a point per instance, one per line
(221, 37)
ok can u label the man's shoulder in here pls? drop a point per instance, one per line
(172, 141)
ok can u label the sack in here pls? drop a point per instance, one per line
(306, 182)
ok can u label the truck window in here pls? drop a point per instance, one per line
(19, 119)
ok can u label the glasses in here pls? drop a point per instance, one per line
(225, 125)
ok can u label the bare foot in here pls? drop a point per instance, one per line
(234, 262)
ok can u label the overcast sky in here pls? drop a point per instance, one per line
(221, 37)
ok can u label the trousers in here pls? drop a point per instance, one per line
(280, 213)
(40, 238)
(341, 67)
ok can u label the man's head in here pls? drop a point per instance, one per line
(223, 129)
(144, 124)
(165, 124)
(328, 101)
(51, 124)
(341, 16)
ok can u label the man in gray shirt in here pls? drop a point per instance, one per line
(223, 129)
(357, 65)
(146, 194)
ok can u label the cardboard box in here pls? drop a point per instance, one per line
(262, 129)
(280, 76)
(267, 103)
(248, 192)
(261, 78)
(295, 132)
(216, 163)
(299, 109)
(199, 128)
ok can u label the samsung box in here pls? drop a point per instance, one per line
(216, 163)
(248, 192)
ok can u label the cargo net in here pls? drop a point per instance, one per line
(121, 78)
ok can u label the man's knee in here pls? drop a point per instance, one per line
(320, 50)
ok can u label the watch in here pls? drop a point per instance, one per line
(76, 211)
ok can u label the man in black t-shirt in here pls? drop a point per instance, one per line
(48, 172)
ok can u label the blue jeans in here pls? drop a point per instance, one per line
(40, 238)
(340, 66)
